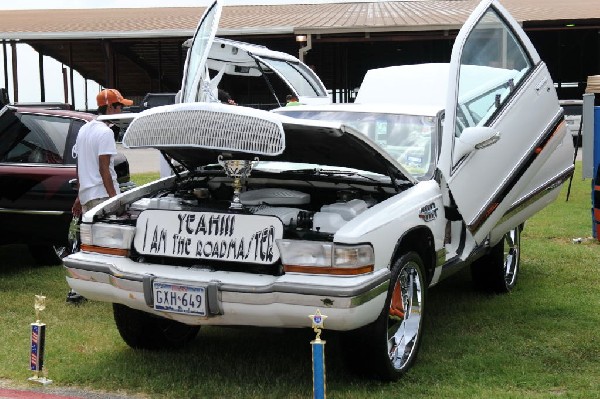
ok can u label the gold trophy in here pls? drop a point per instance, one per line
(318, 355)
(38, 343)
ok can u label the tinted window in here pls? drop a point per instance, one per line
(298, 76)
(492, 64)
(40, 139)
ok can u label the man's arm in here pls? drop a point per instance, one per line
(104, 162)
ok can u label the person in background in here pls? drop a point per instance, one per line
(225, 98)
(94, 150)
(291, 100)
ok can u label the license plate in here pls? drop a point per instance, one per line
(179, 298)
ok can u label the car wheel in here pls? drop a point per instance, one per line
(45, 255)
(388, 347)
(497, 271)
(141, 330)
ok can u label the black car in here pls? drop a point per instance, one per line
(37, 171)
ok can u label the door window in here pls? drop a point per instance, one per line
(493, 62)
(192, 89)
(41, 139)
(298, 76)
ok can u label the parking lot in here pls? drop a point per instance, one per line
(141, 160)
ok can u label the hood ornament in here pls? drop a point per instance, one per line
(239, 170)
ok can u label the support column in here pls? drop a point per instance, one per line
(65, 85)
(71, 75)
(42, 83)
(5, 65)
(13, 46)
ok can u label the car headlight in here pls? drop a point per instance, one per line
(318, 257)
(105, 238)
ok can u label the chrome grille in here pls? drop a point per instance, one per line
(214, 126)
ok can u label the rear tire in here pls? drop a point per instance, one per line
(141, 330)
(388, 347)
(45, 255)
(497, 271)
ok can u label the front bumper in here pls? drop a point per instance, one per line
(234, 298)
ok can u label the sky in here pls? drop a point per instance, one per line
(27, 69)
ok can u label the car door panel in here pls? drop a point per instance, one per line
(524, 111)
(196, 82)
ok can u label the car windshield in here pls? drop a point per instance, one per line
(409, 139)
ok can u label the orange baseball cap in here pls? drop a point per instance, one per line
(111, 96)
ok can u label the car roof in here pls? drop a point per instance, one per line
(55, 112)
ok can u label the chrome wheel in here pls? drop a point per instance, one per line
(404, 320)
(511, 244)
(388, 347)
(497, 271)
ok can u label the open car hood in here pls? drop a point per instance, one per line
(195, 134)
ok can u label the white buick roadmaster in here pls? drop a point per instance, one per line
(356, 210)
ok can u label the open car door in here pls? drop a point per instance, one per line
(196, 82)
(502, 122)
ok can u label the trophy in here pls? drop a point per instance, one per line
(239, 170)
(318, 355)
(38, 342)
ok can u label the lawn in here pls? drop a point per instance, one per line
(540, 341)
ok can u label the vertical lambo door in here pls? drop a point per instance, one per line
(503, 155)
(196, 83)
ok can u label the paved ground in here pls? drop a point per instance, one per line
(141, 160)
(51, 391)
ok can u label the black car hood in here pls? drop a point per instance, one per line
(196, 134)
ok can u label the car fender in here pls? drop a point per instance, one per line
(384, 224)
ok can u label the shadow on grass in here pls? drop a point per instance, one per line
(17, 259)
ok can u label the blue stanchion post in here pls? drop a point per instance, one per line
(596, 179)
(318, 356)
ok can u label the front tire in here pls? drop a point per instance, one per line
(388, 347)
(497, 271)
(141, 330)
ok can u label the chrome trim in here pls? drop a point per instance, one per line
(490, 206)
(32, 212)
(428, 213)
(288, 293)
(538, 193)
(369, 295)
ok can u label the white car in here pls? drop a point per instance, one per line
(573, 110)
(356, 211)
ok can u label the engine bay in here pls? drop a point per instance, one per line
(307, 209)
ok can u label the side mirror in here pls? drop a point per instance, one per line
(472, 138)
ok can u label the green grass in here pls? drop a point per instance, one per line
(540, 341)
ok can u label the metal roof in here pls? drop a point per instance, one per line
(139, 49)
(274, 19)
